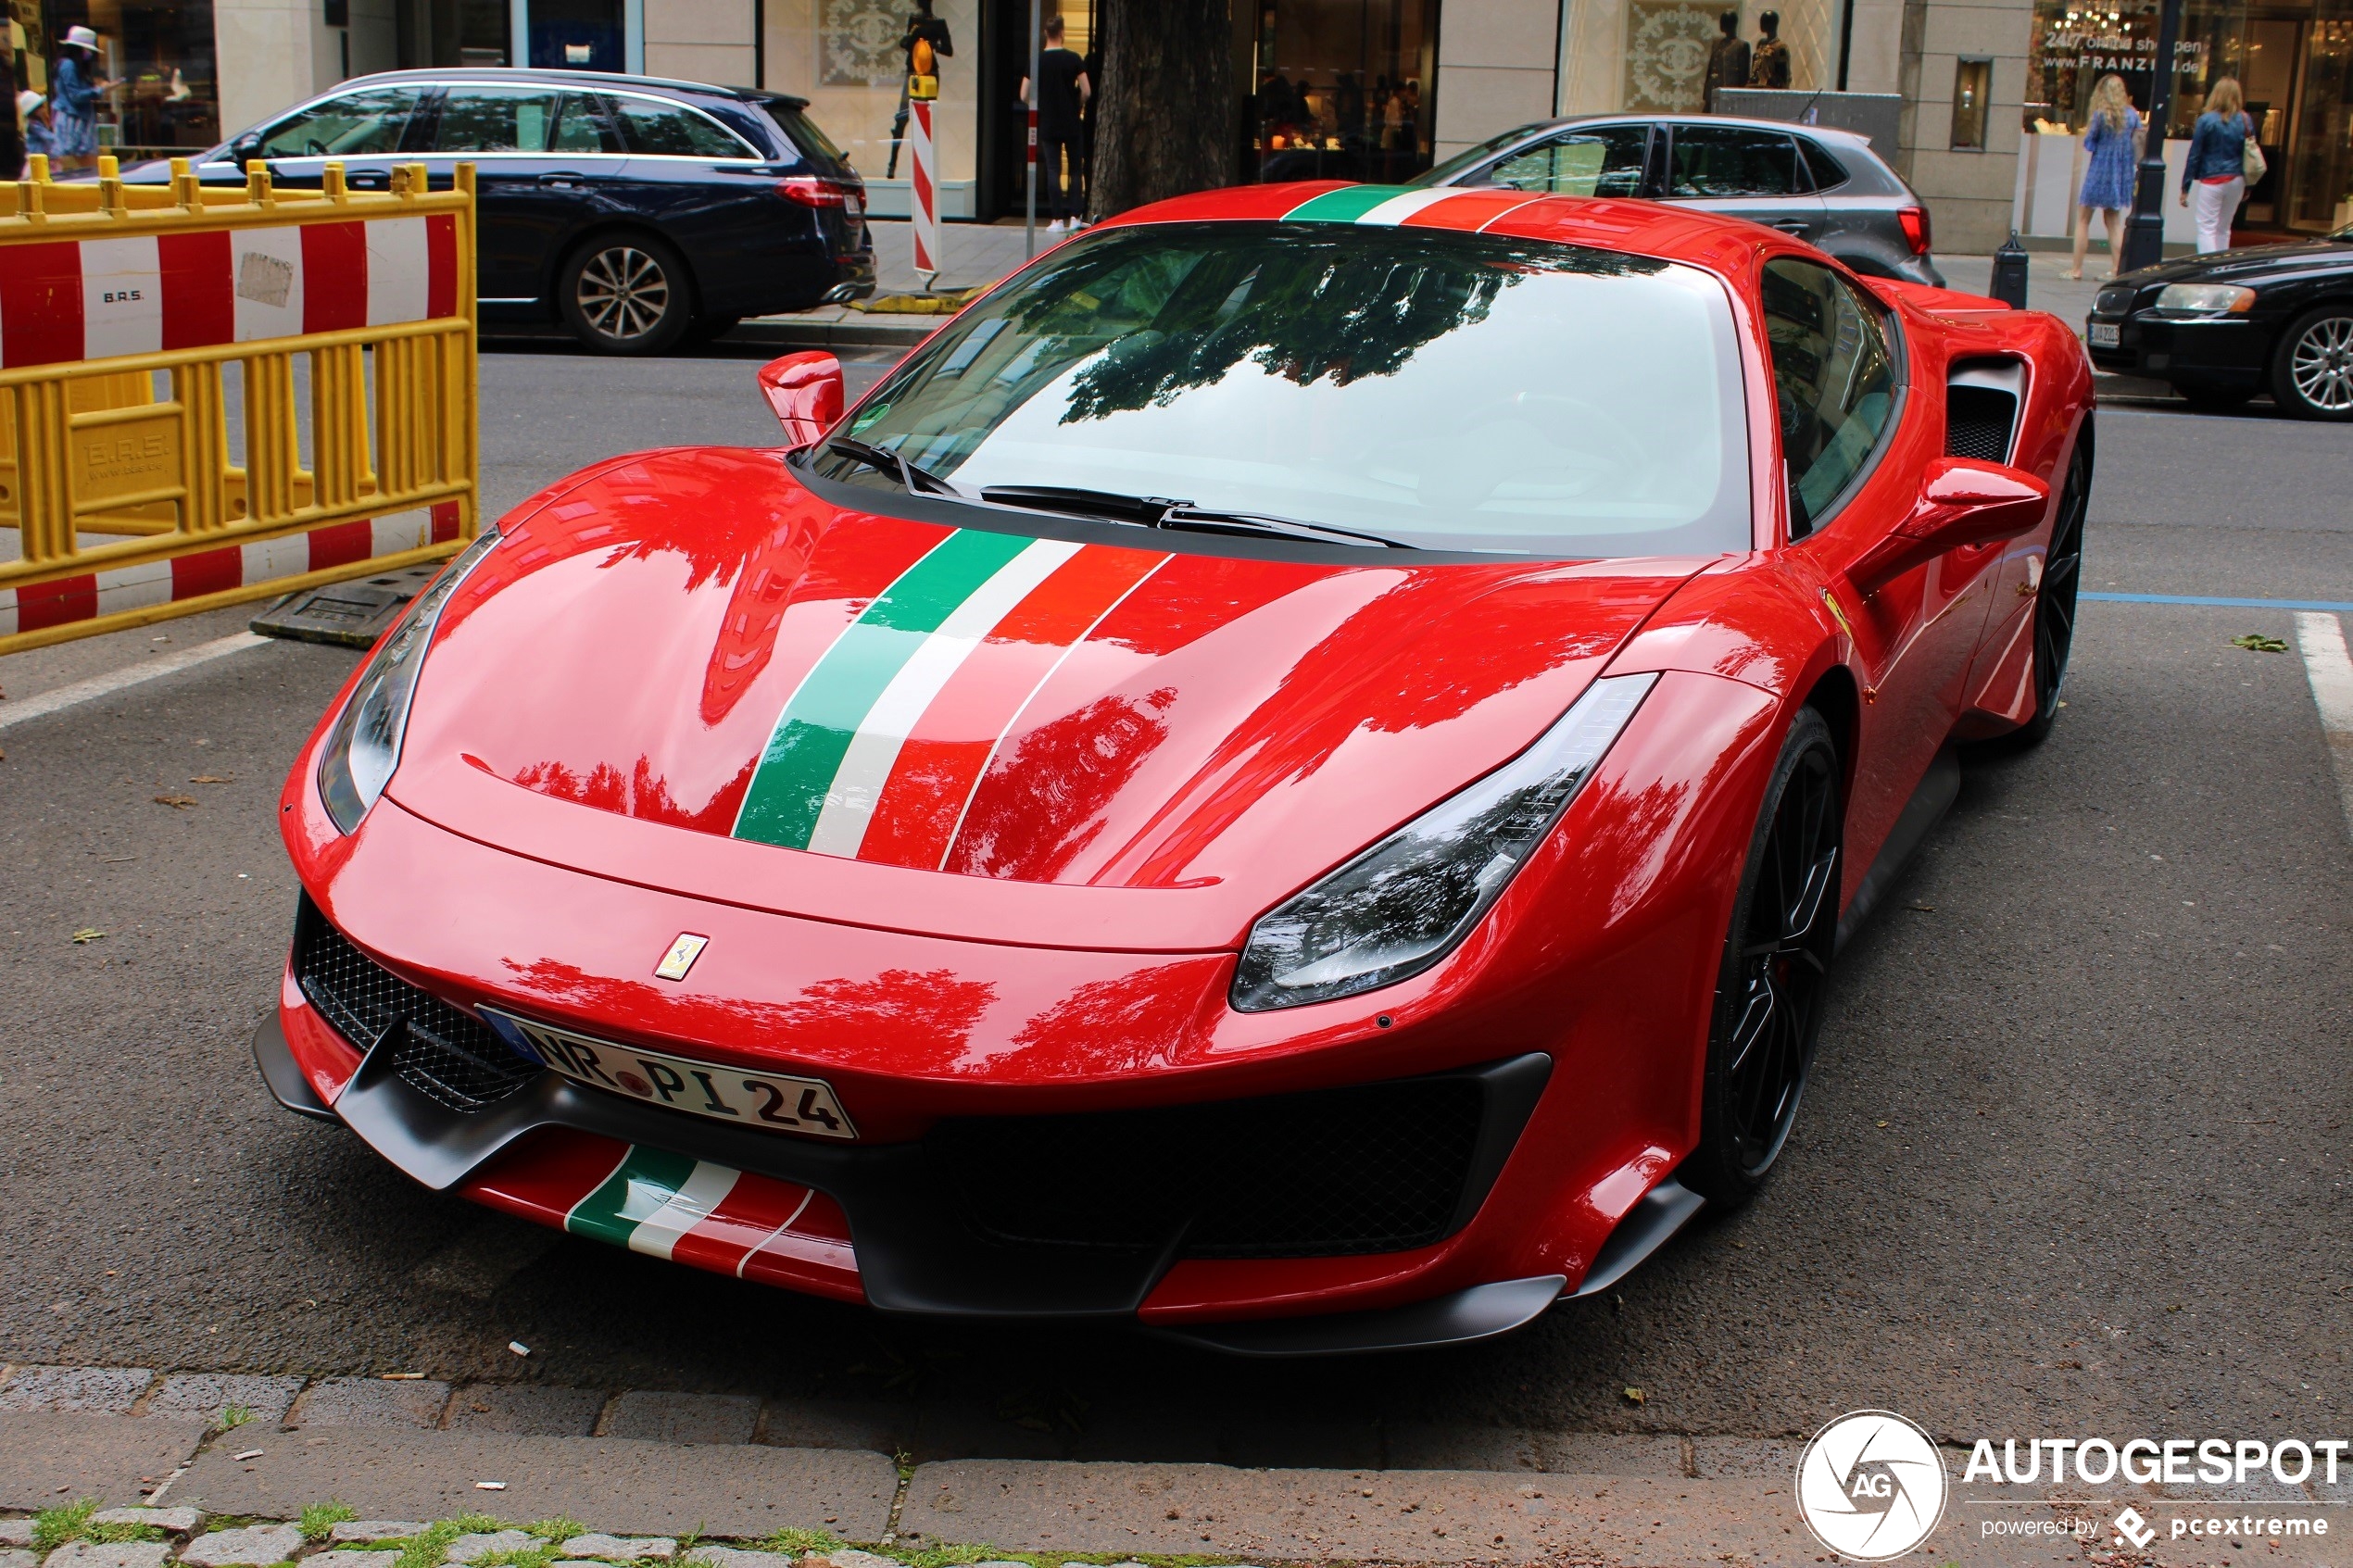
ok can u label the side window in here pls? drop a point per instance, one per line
(1827, 171)
(496, 119)
(357, 124)
(583, 126)
(1601, 160)
(1724, 160)
(674, 129)
(1833, 380)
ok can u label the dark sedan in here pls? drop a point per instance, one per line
(2224, 327)
(634, 210)
(1822, 185)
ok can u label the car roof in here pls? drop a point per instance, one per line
(1839, 134)
(573, 78)
(1668, 232)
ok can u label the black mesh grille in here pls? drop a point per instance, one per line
(1977, 423)
(1377, 1168)
(442, 1052)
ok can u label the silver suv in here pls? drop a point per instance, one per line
(1825, 186)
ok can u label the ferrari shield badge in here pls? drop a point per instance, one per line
(681, 957)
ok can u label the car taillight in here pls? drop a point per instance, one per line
(1915, 221)
(810, 191)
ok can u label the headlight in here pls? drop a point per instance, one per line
(2204, 299)
(1403, 904)
(364, 746)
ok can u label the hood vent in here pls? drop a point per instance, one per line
(1982, 399)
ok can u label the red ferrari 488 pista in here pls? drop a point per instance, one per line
(1294, 774)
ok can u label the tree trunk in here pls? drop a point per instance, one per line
(1166, 126)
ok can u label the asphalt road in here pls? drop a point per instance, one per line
(2074, 1157)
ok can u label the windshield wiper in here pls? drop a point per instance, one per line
(1162, 511)
(913, 480)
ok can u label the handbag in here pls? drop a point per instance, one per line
(2251, 162)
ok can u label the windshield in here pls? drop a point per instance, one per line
(1449, 391)
(1470, 158)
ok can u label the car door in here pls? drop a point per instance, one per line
(365, 130)
(1838, 388)
(715, 196)
(1585, 160)
(1743, 171)
(504, 131)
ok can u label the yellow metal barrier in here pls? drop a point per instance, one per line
(123, 311)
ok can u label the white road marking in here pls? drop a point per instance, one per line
(130, 675)
(2330, 669)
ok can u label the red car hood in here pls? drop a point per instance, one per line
(792, 691)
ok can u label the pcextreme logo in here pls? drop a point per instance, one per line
(1871, 1486)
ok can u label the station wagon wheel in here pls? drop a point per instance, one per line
(1775, 972)
(2312, 367)
(626, 294)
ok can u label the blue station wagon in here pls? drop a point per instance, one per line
(637, 211)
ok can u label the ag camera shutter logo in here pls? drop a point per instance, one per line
(1871, 1486)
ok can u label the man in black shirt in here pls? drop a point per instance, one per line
(932, 30)
(1062, 93)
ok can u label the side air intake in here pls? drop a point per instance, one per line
(1982, 398)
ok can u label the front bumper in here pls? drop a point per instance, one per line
(2218, 351)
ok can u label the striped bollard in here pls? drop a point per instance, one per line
(923, 182)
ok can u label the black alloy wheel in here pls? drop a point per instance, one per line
(1776, 971)
(2313, 367)
(626, 294)
(2055, 594)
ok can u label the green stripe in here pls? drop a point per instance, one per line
(1343, 206)
(805, 750)
(648, 1179)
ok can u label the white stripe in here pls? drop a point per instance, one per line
(266, 271)
(1060, 659)
(626, 1149)
(130, 675)
(122, 297)
(401, 530)
(1396, 210)
(703, 1190)
(807, 1196)
(2330, 669)
(873, 750)
(134, 587)
(398, 273)
(274, 557)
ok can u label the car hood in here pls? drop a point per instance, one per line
(2250, 264)
(695, 640)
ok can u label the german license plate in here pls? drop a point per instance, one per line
(2107, 334)
(854, 207)
(771, 1100)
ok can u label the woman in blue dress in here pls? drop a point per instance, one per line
(73, 100)
(2113, 140)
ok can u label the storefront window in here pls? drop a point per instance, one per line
(159, 55)
(2292, 60)
(1344, 89)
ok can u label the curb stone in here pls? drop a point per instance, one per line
(375, 1530)
(619, 1548)
(16, 1532)
(14, 1558)
(465, 1548)
(173, 1521)
(120, 1554)
(254, 1546)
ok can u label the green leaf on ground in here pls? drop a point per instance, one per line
(2255, 642)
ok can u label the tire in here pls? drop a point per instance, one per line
(2312, 366)
(626, 294)
(1776, 969)
(2054, 597)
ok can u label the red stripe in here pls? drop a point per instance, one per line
(441, 265)
(444, 522)
(815, 1255)
(755, 1209)
(1467, 211)
(213, 571)
(546, 1173)
(341, 544)
(200, 290)
(335, 276)
(57, 604)
(41, 303)
(928, 785)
